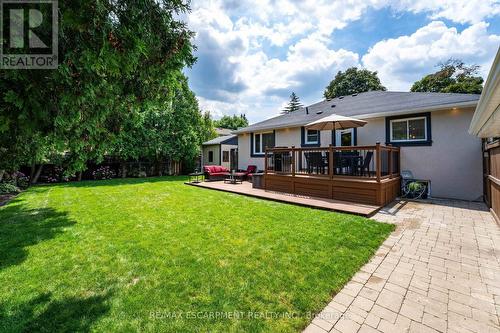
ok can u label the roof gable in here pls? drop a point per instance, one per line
(225, 139)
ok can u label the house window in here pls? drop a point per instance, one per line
(261, 141)
(312, 137)
(210, 156)
(225, 156)
(410, 129)
(344, 138)
(309, 138)
(413, 130)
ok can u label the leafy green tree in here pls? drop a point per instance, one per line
(293, 105)
(119, 62)
(353, 81)
(232, 122)
(207, 129)
(454, 76)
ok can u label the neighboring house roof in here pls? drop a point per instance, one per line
(223, 131)
(486, 120)
(226, 139)
(367, 105)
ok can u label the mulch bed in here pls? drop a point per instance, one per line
(5, 198)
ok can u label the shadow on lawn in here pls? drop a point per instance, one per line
(43, 314)
(117, 182)
(21, 227)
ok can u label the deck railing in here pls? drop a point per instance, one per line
(376, 162)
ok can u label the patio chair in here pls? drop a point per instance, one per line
(342, 163)
(251, 169)
(315, 162)
(365, 166)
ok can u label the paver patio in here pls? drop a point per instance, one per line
(439, 271)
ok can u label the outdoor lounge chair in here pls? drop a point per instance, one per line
(215, 172)
(251, 169)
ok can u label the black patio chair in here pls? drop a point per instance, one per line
(315, 162)
(365, 166)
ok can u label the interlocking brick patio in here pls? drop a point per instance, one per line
(439, 271)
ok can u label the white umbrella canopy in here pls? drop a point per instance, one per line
(335, 122)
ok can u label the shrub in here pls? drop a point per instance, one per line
(23, 182)
(103, 172)
(415, 187)
(8, 188)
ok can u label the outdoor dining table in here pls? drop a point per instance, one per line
(352, 162)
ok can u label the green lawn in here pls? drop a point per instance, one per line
(157, 255)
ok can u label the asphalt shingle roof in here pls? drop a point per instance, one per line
(372, 102)
(221, 139)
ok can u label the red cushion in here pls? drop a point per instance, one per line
(215, 169)
(251, 168)
(210, 168)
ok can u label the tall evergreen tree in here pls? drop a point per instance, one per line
(293, 105)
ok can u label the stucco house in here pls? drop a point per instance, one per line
(221, 151)
(430, 128)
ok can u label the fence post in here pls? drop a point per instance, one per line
(331, 160)
(293, 161)
(378, 162)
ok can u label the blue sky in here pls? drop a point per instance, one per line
(253, 54)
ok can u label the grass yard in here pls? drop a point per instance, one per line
(157, 255)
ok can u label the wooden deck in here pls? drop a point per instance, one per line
(367, 175)
(301, 200)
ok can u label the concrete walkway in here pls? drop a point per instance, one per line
(439, 271)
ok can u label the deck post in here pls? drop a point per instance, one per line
(265, 161)
(399, 160)
(378, 162)
(390, 161)
(293, 161)
(330, 161)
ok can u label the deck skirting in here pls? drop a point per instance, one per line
(366, 191)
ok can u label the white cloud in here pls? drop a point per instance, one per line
(460, 11)
(252, 54)
(403, 60)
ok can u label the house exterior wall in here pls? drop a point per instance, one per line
(216, 150)
(452, 162)
(287, 137)
(227, 148)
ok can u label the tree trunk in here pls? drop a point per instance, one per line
(1, 174)
(170, 167)
(158, 169)
(79, 176)
(37, 174)
(124, 170)
(32, 171)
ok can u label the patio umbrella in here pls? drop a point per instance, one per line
(335, 122)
